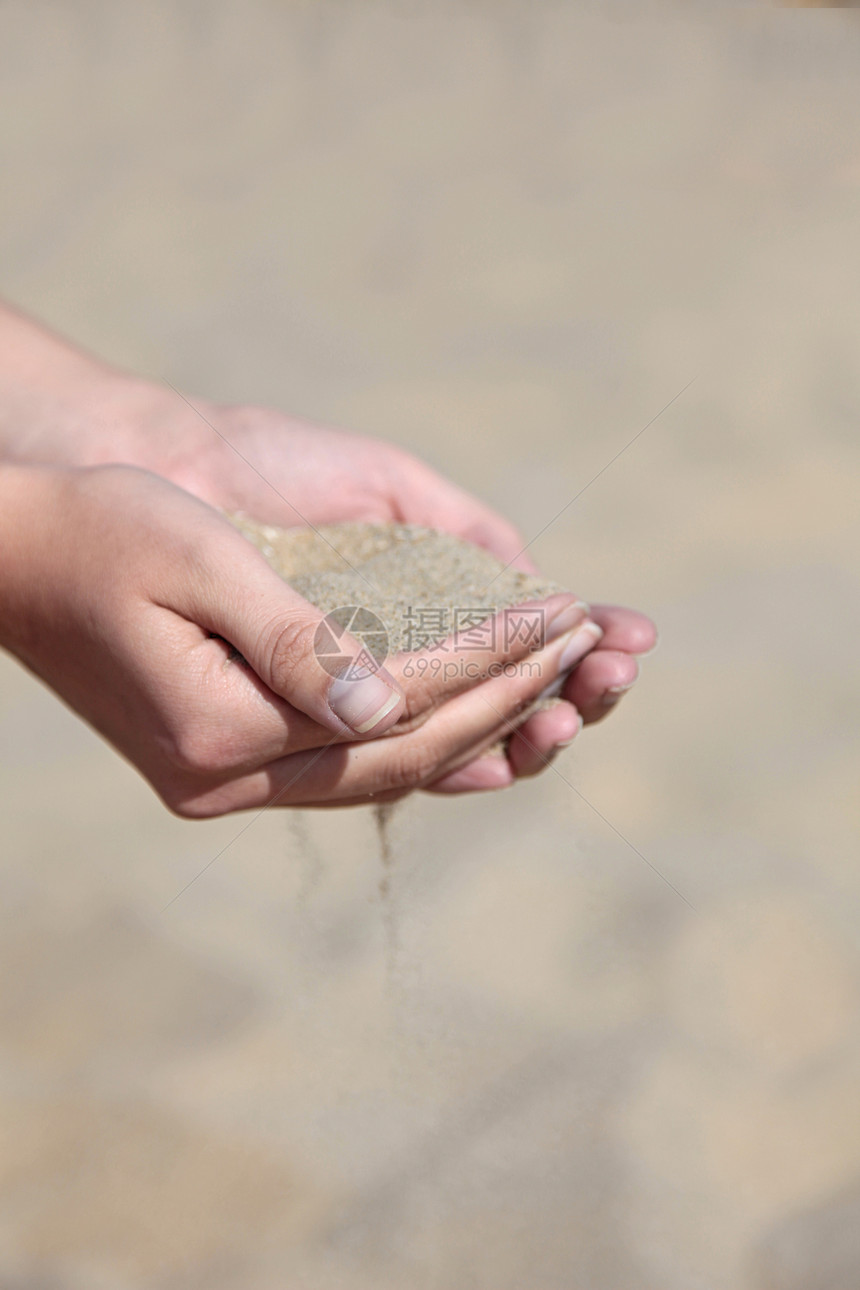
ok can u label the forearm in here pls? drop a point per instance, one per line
(41, 378)
(28, 504)
(60, 405)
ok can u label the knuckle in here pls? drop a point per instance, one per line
(286, 645)
(194, 751)
(412, 764)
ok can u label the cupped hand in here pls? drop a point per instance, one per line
(122, 592)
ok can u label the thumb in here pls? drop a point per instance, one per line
(306, 658)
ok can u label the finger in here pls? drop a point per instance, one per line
(399, 763)
(532, 745)
(429, 677)
(231, 591)
(599, 682)
(625, 629)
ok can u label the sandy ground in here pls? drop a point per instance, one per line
(617, 1048)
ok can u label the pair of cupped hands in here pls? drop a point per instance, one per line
(139, 603)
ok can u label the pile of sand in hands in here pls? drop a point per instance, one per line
(397, 571)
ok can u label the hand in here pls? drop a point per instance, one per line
(121, 590)
(283, 471)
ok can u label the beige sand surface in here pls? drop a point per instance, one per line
(504, 236)
(421, 584)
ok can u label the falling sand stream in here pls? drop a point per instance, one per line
(382, 814)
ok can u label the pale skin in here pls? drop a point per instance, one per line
(121, 586)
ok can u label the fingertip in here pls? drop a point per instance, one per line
(533, 745)
(652, 648)
(626, 629)
(572, 724)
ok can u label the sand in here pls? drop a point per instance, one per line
(415, 580)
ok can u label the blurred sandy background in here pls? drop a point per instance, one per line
(505, 236)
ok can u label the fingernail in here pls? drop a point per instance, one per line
(615, 692)
(565, 620)
(565, 743)
(583, 639)
(363, 703)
